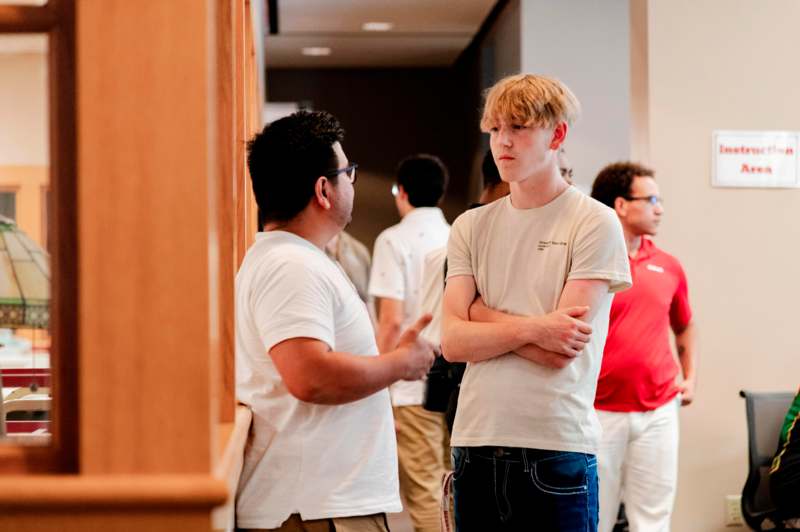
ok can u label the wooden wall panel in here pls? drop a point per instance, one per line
(144, 161)
(163, 520)
(226, 181)
(242, 180)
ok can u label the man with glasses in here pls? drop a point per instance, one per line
(396, 283)
(321, 452)
(638, 395)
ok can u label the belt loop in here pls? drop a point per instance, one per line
(466, 454)
(525, 460)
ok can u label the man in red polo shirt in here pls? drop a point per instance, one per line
(638, 392)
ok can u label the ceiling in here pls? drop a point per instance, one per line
(425, 33)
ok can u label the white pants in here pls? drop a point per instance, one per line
(638, 463)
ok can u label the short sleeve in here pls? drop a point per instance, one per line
(600, 251)
(680, 313)
(293, 302)
(459, 254)
(386, 278)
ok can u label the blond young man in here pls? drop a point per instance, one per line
(529, 288)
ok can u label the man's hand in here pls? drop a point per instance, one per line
(544, 358)
(687, 391)
(562, 331)
(419, 353)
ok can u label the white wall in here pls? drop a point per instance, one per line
(23, 109)
(584, 43)
(726, 64)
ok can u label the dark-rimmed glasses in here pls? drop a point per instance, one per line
(349, 171)
(652, 200)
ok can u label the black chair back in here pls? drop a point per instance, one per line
(765, 414)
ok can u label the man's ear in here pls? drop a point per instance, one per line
(559, 135)
(321, 191)
(621, 206)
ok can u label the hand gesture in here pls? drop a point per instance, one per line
(419, 353)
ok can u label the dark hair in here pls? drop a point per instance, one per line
(489, 171)
(424, 178)
(286, 159)
(614, 181)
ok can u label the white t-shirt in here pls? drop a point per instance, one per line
(432, 293)
(520, 260)
(320, 461)
(397, 274)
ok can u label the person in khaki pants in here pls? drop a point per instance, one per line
(396, 283)
(321, 450)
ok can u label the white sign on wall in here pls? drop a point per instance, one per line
(755, 159)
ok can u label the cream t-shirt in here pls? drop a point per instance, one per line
(520, 260)
(320, 461)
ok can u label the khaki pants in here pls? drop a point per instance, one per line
(366, 523)
(423, 451)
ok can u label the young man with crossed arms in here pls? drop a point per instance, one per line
(543, 263)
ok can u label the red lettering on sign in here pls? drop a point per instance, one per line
(747, 169)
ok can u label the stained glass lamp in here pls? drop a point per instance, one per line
(24, 280)
(24, 286)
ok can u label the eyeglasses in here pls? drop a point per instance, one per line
(566, 173)
(652, 200)
(349, 171)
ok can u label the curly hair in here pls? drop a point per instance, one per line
(424, 178)
(614, 181)
(286, 159)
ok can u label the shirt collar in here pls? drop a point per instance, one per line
(646, 250)
(419, 213)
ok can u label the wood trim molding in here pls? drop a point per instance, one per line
(63, 238)
(27, 19)
(229, 467)
(111, 491)
(230, 462)
(58, 19)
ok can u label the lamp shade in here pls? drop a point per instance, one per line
(24, 280)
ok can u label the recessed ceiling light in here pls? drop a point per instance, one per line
(377, 26)
(316, 51)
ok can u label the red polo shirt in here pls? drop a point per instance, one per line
(639, 370)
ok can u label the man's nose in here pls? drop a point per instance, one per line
(504, 137)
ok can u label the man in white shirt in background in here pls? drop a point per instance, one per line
(354, 258)
(433, 273)
(396, 283)
(321, 450)
(529, 287)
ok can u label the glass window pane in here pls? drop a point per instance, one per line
(8, 205)
(24, 263)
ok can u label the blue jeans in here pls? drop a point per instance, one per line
(512, 489)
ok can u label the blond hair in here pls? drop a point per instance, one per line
(529, 100)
